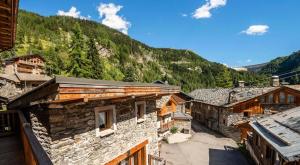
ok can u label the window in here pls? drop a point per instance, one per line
(105, 120)
(140, 110)
(270, 101)
(262, 99)
(246, 114)
(282, 97)
(291, 99)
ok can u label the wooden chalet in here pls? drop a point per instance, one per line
(8, 25)
(229, 111)
(22, 74)
(84, 121)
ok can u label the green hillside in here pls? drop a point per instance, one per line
(81, 48)
(283, 65)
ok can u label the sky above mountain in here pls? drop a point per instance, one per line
(232, 32)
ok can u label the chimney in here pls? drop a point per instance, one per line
(275, 81)
(241, 84)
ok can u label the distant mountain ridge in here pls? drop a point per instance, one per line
(82, 48)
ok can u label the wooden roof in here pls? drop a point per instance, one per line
(70, 89)
(8, 23)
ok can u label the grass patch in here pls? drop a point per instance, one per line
(174, 130)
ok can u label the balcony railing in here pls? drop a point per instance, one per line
(14, 124)
(166, 126)
(155, 160)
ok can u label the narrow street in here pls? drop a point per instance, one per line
(204, 148)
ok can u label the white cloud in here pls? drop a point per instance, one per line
(184, 15)
(248, 60)
(73, 12)
(205, 10)
(256, 30)
(110, 18)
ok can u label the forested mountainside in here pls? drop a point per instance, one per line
(81, 48)
(283, 65)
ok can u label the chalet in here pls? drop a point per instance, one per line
(228, 111)
(84, 121)
(276, 139)
(174, 112)
(21, 74)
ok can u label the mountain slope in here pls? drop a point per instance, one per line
(282, 65)
(81, 48)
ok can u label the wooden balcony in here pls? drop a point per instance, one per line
(166, 126)
(166, 110)
(18, 143)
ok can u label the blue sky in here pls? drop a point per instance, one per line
(233, 32)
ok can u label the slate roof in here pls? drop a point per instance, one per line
(18, 77)
(32, 77)
(282, 131)
(181, 116)
(220, 96)
(13, 77)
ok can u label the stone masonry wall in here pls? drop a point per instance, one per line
(183, 124)
(73, 135)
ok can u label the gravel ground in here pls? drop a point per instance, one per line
(204, 148)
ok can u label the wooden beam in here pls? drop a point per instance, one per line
(6, 27)
(4, 16)
(3, 34)
(3, 6)
(5, 23)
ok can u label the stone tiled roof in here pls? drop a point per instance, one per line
(220, 96)
(18, 77)
(13, 77)
(282, 131)
(32, 77)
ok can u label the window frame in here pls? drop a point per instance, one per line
(141, 119)
(110, 110)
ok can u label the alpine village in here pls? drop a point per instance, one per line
(73, 91)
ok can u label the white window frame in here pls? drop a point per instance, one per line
(136, 110)
(114, 125)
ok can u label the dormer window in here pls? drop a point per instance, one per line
(105, 120)
(140, 110)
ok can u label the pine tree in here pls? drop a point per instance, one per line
(93, 56)
(79, 66)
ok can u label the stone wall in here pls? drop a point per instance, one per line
(183, 125)
(73, 137)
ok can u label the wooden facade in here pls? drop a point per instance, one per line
(8, 23)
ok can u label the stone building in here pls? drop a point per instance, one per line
(276, 139)
(84, 121)
(21, 74)
(228, 111)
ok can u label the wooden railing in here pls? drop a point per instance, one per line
(166, 126)
(155, 160)
(14, 123)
